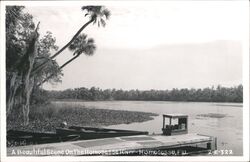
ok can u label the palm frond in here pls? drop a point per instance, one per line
(94, 20)
(106, 13)
(90, 41)
(103, 22)
(97, 13)
(83, 44)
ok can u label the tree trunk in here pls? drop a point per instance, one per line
(28, 79)
(29, 84)
(66, 63)
(39, 67)
(12, 88)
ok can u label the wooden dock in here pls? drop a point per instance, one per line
(129, 145)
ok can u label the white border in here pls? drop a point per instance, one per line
(245, 156)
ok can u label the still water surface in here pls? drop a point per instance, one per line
(227, 129)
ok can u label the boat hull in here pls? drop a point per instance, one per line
(73, 133)
(86, 133)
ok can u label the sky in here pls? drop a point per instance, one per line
(151, 46)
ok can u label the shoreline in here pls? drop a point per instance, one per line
(46, 118)
(81, 100)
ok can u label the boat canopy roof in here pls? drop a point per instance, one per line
(175, 115)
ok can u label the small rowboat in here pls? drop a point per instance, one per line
(86, 133)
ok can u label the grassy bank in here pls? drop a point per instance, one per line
(48, 117)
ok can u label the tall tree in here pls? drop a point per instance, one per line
(28, 79)
(23, 51)
(80, 45)
(96, 14)
(19, 27)
(29, 59)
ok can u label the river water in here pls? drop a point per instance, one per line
(227, 128)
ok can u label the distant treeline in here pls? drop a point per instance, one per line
(218, 94)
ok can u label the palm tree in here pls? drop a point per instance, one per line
(80, 45)
(96, 14)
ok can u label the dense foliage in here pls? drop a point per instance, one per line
(218, 94)
(24, 51)
(19, 31)
(29, 59)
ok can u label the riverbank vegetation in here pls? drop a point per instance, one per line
(218, 94)
(47, 117)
